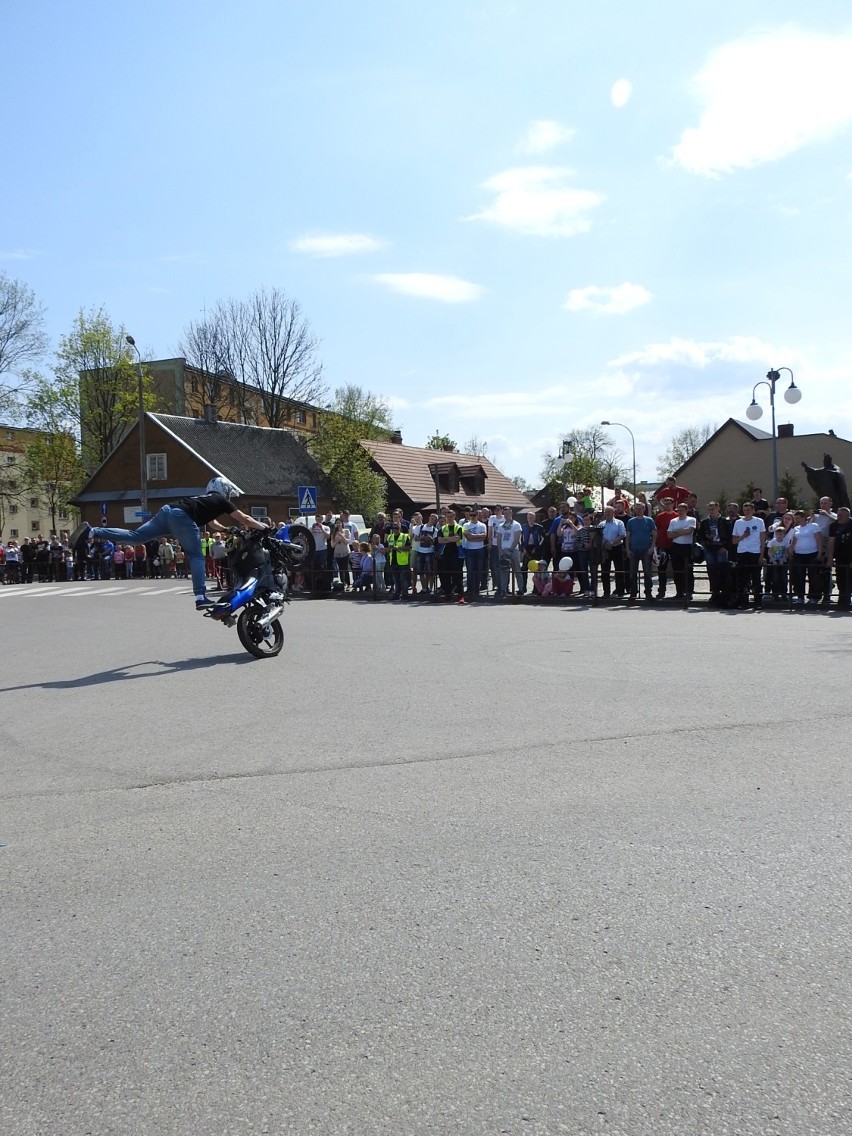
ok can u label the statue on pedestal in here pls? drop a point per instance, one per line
(828, 481)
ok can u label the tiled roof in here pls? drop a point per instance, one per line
(261, 461)
(408, 467)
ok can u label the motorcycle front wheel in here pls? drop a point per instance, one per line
(262, 642)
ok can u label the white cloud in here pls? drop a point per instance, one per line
(17, 254)
(337, 244)
(693, 353)
(556, 401)
(611, 301)
(621, 91)
(447, 289)
(764, 96)
(545, 134)
(535, 200)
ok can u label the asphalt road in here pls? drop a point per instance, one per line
(434, 870)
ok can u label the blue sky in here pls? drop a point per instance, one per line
(510, 219)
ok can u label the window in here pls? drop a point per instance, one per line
(13, 533)
(473, 485)
(301, 418)
(158, 468)
(13, 508)
(33, 502)
(35, 526)
(10, 435)
(448, 482)
(63, 516)
(10, 459)
(259, 512)
(12, 485)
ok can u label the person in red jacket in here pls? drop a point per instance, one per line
(677, 493)
(664, 542)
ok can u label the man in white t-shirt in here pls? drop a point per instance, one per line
(824, 517)
(749, 537)
(475, 536)
(507, 535)
(493, 553)
(682, 534)
(425, 539)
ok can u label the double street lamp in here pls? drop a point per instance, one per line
(633, 441)
(792, 395)
(143, 460)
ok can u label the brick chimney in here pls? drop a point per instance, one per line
(785, 429)
(396, 437)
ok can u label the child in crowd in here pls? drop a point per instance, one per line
(364, 578)
(777, 555)
(540, 577)
(355, 556)
(380, 559)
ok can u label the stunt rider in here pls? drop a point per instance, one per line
(184, 519)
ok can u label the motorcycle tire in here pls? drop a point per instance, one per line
(304, 541)
(262, 642)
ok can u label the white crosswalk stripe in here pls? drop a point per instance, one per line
(88, 588)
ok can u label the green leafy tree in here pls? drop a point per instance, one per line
(352, 416)
(586, 457)
(97, 380)
(370, 411)
(788, 487)
(52, 467)
(442, 442)
(683, 445)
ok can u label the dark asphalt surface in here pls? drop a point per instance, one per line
(434, 870)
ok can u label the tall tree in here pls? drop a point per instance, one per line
(22, 340)
(22, 337)
(265, 349)
(52, 467)
(475, 446)
(370, 411)
(352, 415)
(586, 457)
(442, 442)
(11, 491)
(682, 446)
(205, 348)
(97, 379)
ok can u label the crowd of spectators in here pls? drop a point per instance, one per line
(753, 553)
(42, 560)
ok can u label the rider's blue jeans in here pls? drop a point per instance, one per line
(170, 520)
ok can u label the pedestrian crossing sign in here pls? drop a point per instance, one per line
(307, 495)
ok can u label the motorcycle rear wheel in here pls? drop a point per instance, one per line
(262, 642)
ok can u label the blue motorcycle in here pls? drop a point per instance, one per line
(261, 567)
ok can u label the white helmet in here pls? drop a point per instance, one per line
(223, 486)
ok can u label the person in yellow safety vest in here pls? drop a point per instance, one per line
(207, 553)
(450, 562)
(399, 555)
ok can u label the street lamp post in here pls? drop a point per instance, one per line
(566, 456)
(143, 471)
(792, 395)
(633, 442)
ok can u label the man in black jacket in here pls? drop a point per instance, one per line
(714, 533)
